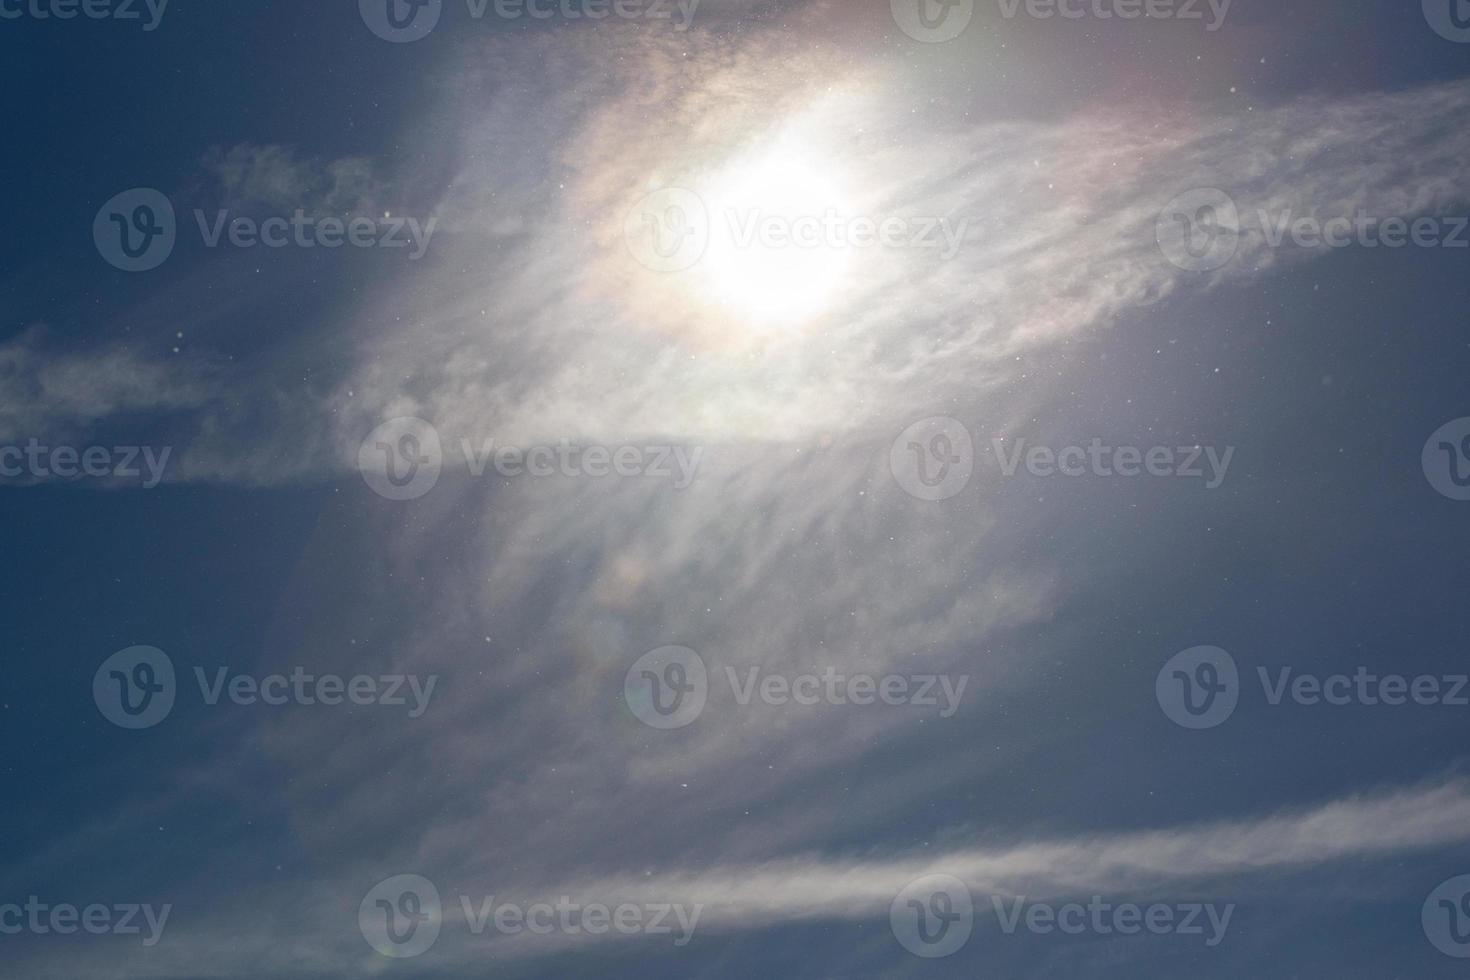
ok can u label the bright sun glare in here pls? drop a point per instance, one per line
(767, 262)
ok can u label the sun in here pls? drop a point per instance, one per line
(773, 259)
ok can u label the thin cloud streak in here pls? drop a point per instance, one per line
(316, 928)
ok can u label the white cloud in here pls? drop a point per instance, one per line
(274, 178)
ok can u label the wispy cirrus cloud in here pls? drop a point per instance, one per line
(276, 178)
(560, 333)
(316, 925)
(48, 391)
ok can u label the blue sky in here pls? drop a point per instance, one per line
(687, 382)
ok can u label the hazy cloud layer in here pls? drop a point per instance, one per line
(529, 320)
